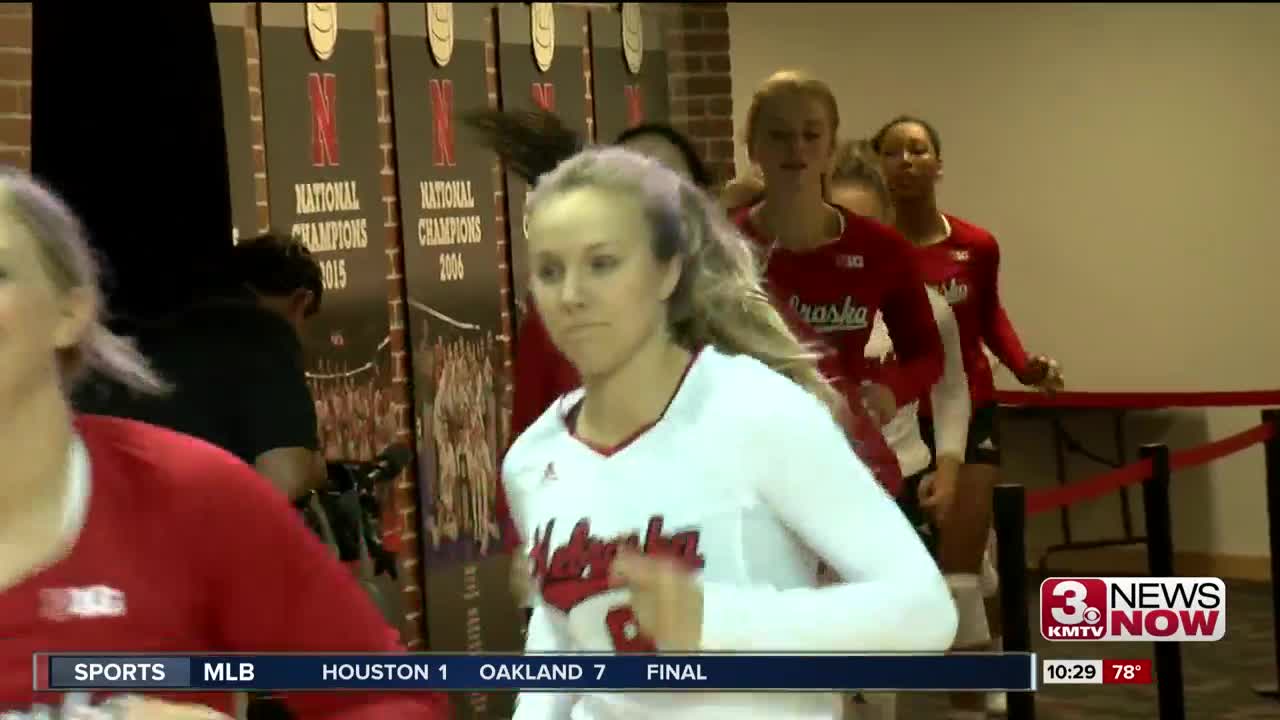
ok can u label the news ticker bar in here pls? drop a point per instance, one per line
(1097, 672)
(273, 673)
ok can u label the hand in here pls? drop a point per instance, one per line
(1043, 372)
(665, 598)
(140, 708)
(938, 490)
(879, 401)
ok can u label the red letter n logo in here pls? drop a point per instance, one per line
(323, 91)
(544, 96)
(442, 144)
(635, 105)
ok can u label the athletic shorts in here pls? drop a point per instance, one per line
(983, 447)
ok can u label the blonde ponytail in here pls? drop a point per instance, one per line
(68, 261)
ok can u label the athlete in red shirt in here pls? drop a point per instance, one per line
(833, 267)
(960, 260)
(178, 546)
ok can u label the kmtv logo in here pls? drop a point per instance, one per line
(1133, 609)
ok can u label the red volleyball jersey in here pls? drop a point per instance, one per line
(964, 268)
(196, 553)
(838, 289)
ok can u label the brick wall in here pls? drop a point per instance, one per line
(500, 226)
(405, 493)
(253, 57)
(15, 84)
(701, 86)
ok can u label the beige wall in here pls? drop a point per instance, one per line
(1125, 157)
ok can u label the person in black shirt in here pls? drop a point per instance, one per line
(234, 362)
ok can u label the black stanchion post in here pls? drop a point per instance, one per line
(1272, 453)
(1010, 507)
(1159, 514)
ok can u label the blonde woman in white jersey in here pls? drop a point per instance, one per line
(682, 499)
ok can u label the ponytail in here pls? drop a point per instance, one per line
(530, 142)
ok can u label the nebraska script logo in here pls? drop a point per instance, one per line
(575, 579)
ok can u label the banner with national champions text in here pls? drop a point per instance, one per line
(540, 64)
(229, 21)
(453, 324)
(323, 175)
(451, 271)
(628, 69)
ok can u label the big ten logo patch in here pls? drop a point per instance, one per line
(575, 580)
(1133, 609)
(97, 601)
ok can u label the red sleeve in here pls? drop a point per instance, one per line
(273, 586)
(908, 317)
(997, 330)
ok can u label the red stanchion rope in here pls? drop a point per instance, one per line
(1139, 401)
(1052, 498)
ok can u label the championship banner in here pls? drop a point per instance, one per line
(454, 318)
(1015, 672)
(451, 269)
(323, 165)
(323, 172)
(233, 72)
(628, 70)
(540, 64)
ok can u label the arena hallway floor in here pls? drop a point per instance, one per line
(1218, 676)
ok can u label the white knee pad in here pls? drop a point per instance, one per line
(972, 629)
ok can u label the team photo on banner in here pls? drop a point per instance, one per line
(628, 70)
(453, 320)
(451, 271)
(540, 65)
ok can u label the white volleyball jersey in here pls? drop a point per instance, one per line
(949, 396)
(747, 478)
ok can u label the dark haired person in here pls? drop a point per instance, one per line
(234, 362)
